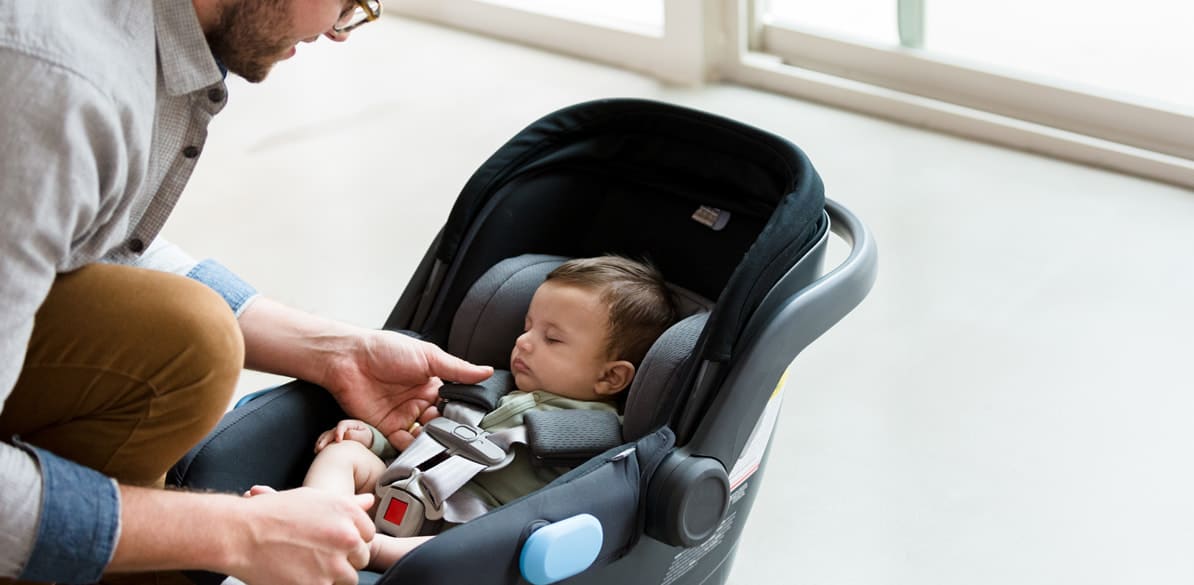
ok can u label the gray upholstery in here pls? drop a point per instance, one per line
(647, 404)
(493, 312)
(491, 317)
(570, 437)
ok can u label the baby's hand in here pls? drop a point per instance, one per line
(348, 429)
(257, 490)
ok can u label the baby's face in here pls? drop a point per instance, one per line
(563, 347)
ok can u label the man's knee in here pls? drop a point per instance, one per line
(142, 365)
(211, 349)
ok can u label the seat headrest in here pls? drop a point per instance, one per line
(493, 312)
(650, 399)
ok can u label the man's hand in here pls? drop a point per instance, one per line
(390, 381)
(303, 536)
(296, 537)
(349, 429)
(384, 378)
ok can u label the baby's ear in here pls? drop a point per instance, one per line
(615, 377)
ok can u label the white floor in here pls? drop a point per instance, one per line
(1011, 404)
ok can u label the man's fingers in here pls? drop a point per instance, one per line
(359, 557)
(363, 522)
(449, 367)
(348, 576)
(430, 413)
(401, 440)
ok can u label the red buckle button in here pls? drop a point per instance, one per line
(395, 511)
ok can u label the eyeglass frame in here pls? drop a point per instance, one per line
(370, 15)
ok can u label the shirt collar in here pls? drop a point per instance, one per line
(184, 57)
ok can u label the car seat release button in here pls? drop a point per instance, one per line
(465, 440)
(561, 549)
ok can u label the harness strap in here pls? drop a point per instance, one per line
(410, 486)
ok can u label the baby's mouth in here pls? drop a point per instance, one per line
(519, 366)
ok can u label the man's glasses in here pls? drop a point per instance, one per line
(365, 11)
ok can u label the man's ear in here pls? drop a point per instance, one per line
(615, 377)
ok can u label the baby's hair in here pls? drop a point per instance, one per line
(641, 307)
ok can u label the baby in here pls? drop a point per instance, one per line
(588, 327)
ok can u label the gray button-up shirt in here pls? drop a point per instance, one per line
(104, 108)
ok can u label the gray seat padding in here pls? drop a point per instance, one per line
(650, 398)
(492, 314)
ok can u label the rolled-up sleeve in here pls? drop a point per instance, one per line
(20, 506)
(79, 522)
(166, 256)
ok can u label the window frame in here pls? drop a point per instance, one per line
(984, 103)
(730, 41)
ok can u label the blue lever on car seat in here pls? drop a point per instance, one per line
(561, 549)
(247, 398)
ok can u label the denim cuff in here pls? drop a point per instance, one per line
(236, 292)
(79, 525)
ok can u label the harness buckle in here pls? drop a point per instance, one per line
(401, 510)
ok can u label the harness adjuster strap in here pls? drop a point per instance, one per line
(465, 440)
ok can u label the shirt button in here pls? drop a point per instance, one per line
(216, 94)
(190, 151)
(136, 245)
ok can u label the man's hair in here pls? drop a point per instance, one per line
(640, 305)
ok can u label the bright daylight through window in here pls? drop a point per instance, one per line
(1100, 82)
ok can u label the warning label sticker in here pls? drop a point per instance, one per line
(688, 559)
(756, 445)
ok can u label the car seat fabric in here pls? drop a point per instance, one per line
(492, 314)
(627, 176)
(652, 395)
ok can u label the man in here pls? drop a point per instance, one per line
(111, 367)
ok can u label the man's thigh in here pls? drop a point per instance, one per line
(126, 369)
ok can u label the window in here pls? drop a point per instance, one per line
(645, 16)
(1094, 81)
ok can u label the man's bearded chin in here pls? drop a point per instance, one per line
(243, 41)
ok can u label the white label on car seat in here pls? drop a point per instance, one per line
(756, 444)
(711, 217)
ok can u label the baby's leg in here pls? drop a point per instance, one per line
(347, 467)
(385, 550)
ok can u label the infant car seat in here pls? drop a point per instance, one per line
(734, 217)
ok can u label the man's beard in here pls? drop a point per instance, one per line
(250, 39)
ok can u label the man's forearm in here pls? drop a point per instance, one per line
(286, 341)
(163, 529)
(297, 536)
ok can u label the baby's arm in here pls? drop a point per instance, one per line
(346, 430)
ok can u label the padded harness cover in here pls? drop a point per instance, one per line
(567, 438)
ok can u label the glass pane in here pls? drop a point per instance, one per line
(1143, 48)
(1140, 50)
(639, 15)
(871, 21)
